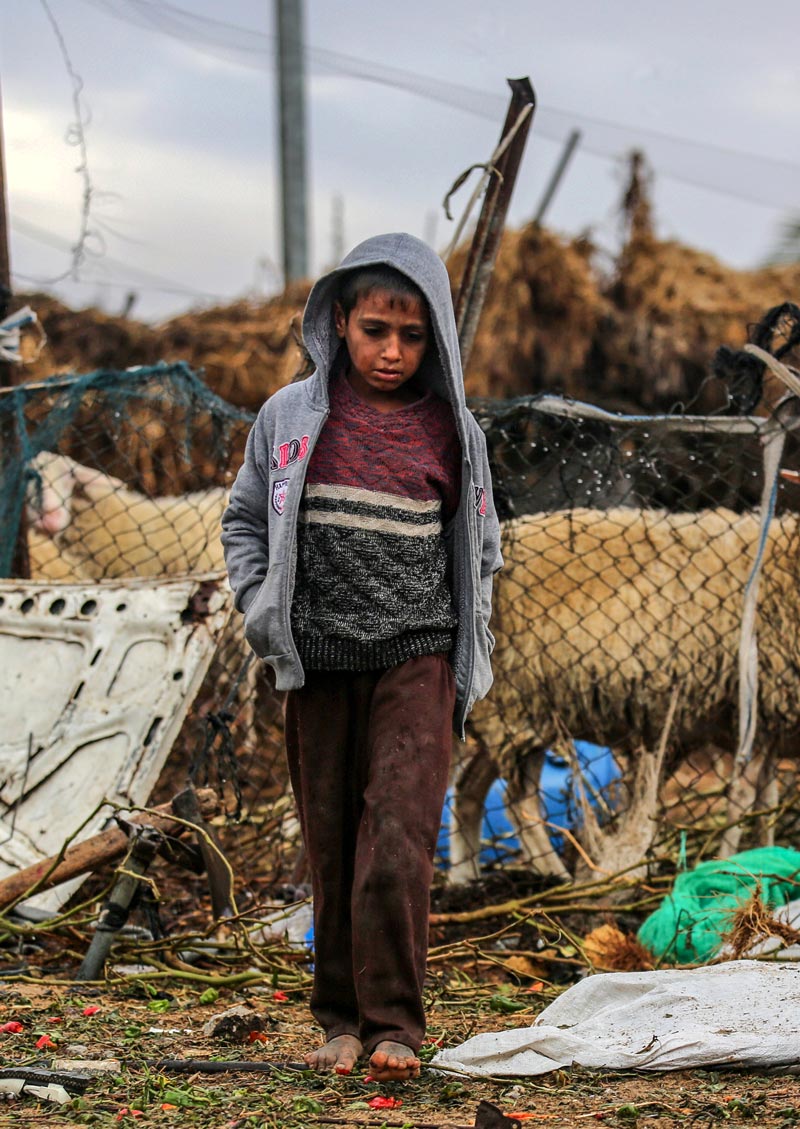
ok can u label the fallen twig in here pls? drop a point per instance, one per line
(90, 854)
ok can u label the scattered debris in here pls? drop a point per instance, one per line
(607, 947)
(222, 1066)
(236, 1024)
(96, 681)
(90, 1066)
(489, 1116)
(755, 922)
(48, 1085)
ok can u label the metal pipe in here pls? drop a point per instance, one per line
(558, 174)
(144, 845)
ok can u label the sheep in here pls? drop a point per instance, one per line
(89, 525)
(607, 619)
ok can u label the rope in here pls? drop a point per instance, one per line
(490, 168)
(774, 439)
(748, 641)
(576, 409)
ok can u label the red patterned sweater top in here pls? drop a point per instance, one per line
(371, 586)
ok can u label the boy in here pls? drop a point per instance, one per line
(360, 541)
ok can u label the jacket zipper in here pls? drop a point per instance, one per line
(291, 571)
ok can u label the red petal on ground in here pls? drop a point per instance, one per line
(385, 1103)
(13, 1027)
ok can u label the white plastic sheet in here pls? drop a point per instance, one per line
(742, 1013)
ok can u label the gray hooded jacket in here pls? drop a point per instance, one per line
(260, 524)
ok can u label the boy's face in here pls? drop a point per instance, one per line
(386, 336)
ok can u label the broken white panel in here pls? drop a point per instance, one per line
(95, 682)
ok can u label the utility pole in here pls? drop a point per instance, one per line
(290, 67)
(337, 229)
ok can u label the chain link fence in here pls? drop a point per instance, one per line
(631, 544)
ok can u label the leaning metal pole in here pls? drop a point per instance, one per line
(144, 846)
(486, 240)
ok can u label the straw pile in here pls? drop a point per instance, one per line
(673, 306)
(245, 351)
(642, 338)
(543, 310)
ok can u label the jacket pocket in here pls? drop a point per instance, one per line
(482, 670)
(490, 640)
(264, 621)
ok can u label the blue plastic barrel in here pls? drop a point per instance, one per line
(559, 805)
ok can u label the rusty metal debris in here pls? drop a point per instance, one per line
(486, 240)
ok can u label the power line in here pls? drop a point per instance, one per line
(155, 281)
(99, 280)
(221, 35)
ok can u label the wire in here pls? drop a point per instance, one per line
(605, 139)
(76, 136)
(88, 280)
(51, 239)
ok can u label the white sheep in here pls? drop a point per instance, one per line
(87, 525)
(602, 618)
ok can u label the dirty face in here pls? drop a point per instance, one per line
(386, 336)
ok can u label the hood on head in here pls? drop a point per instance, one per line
(416, 260)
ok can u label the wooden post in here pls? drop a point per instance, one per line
(5, 263)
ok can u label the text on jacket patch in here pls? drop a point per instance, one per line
(287, 453)
(279, 495)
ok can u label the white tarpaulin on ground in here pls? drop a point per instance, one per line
(742, 1013)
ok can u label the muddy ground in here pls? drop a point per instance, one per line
(136, 1023)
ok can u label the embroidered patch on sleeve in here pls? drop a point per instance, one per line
(279, 495)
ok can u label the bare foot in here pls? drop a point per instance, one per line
(393, 1062)
(340, 1054)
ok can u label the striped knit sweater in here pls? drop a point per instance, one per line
(371, 585)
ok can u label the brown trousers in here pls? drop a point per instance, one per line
(369, 757)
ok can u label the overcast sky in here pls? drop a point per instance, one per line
(181, 145)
